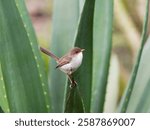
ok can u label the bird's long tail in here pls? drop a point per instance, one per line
(49, 53)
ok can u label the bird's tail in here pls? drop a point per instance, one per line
(49, 53)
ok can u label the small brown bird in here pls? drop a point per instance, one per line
(69, 63)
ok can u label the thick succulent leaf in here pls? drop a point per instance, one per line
(128, 92)
(102, 42)
(84, 39)
(21, 63)
(65, 19)
(81, 5)
(140, 97)
(1, 111)
(94, 56)
(112, 92)
(74, 102)
(3, 94)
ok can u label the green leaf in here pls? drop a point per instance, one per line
(81, 5)
(140, 97)
(84, 39)
(127, 95)
(94, 57)
(21, 63)
(1, 111)
(65, 18)
(3, 95)
(102, 42)
(74, 102)
(111, 98)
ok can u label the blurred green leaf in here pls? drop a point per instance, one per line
(102, 42)
(74, 102)
(3, 95)
(65, 19)
(128, 92)
(1, 111)
(111, 98)
(81, 5)
(95, 62)
(21, 63)
(84, 39)
(140, 97)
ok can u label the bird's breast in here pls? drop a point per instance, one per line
(73, 65)
(77, 60)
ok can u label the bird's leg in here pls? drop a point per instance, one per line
(69, 77)
(72, 81)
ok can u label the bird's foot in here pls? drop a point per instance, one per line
(73, 84)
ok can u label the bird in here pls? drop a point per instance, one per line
(68, 63)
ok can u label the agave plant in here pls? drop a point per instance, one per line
(24, 85)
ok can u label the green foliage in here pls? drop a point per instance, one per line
(102, 42)
(1, 111)
(23, 82)
(22, 68)
(84, 40)
(3, 95)
(62, 41)
(74, 101)
(126, 97)
(139, 100)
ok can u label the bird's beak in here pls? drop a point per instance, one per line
(82, 50)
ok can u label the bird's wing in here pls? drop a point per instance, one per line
(62, 61)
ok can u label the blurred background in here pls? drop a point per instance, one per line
(128, 19)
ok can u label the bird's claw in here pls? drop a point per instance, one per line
(73, 84)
